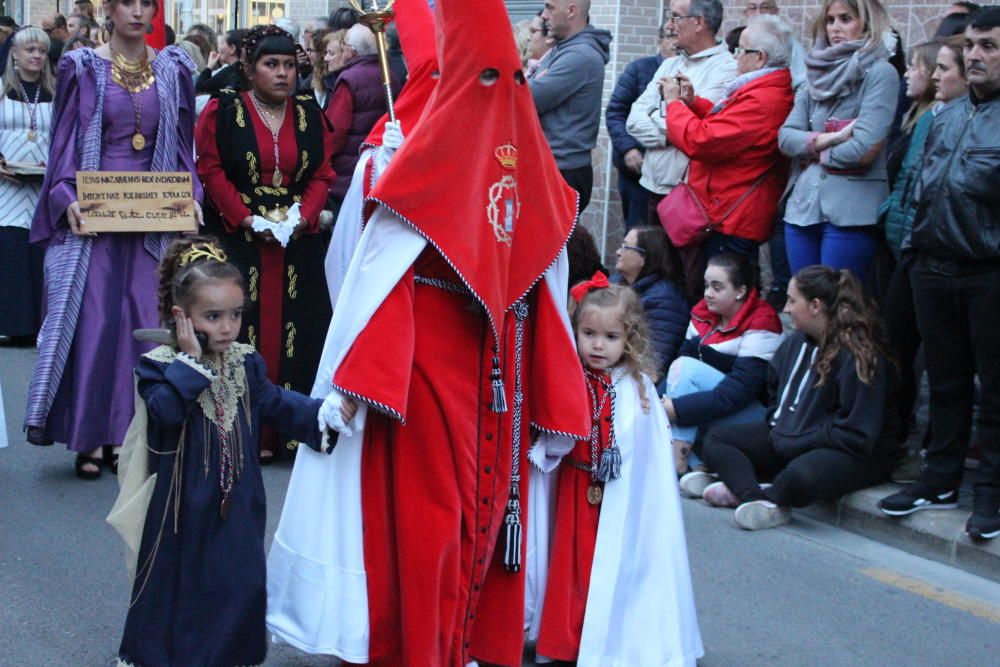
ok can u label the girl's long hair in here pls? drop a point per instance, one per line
(925, 55)
(852, 320)
(178, 282)
(28, 35)
(637, 357)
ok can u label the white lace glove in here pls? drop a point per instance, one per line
(392, 136)
(330, 416)
(392, 139)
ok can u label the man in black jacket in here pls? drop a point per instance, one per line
(956, 287)
(223, 69)
(626, 150)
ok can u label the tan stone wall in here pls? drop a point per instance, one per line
(634, 24)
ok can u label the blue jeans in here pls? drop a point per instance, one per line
(688, 375)
(838, 247)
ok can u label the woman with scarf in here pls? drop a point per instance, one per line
(25, 124)
(264, 157)
(121, 107)
(836, 137)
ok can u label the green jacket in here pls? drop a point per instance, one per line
(898, 210)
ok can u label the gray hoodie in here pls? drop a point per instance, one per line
(567, 88)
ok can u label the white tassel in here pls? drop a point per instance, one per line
(610, 466)
(499, 395)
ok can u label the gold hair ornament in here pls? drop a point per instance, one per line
(202, 251)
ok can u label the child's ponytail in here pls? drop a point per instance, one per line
(188, 261)
(852, 320)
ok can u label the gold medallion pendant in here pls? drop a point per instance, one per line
(32, 135)
(595, 494)
(276, 179)
(138, 141)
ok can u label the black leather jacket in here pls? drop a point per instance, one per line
(957, 224)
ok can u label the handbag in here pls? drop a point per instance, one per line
(684, 217)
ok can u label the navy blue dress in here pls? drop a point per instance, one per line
(199, 597)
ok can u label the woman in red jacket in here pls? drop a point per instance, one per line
(737, 171)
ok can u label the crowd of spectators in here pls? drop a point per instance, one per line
(820, 154)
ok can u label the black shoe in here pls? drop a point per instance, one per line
(984, 523)
(917, 497)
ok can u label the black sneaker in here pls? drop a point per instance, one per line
(918, 497)
(984, 523)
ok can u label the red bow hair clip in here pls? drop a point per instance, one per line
(597, 281)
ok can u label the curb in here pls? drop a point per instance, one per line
(935, 534)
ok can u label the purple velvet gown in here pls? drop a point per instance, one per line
(94, 401)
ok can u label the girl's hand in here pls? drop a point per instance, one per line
(186, 340)
(75, 219)
(668, 405)
(348, 409)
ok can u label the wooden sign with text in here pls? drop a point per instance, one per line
(136, 201)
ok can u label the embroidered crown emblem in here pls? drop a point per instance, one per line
(507, 156)
(202, 251)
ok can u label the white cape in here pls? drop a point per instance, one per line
(640, 605)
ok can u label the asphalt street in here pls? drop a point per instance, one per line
(804, 594)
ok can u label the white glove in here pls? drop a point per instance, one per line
(331, 417)
(282, 231)
(392, 136)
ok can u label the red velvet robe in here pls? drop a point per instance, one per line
(434, 489)
(573, 542)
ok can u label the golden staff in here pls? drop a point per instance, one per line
(377, 18)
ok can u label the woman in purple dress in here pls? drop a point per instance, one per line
(121, 107)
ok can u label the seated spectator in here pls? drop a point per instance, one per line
(583, 255)
(647, 264)
(829, 429)
(720, 375)
(836, 136)
(223, 69)
(736, 169)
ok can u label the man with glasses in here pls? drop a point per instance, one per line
(627, 151)
(54, 26)
(707, 64)
(567, 88)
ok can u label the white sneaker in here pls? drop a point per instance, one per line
(693, 484)
(759, 514)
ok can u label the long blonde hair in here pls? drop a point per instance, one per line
(872, 13)
(28, 35)
(637, 357)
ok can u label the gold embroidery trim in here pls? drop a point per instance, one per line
(262, 190)
(290, 341)
(230, 383)
(245, 199)
(302, 118)
(240, 117)
(254, 277)
(305, 165)
(292, 279)
(252, 167)
(252, 335)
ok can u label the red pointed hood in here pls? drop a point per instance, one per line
(476, 176)
(415, 23)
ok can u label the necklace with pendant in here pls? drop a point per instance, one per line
(273, 121)
(134, 78)
(32, 108)
(595, 490)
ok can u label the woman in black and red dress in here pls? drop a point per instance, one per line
(260, 153)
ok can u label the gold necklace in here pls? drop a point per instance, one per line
(134, 78)
(273, 122)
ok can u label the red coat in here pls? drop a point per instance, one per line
(731, 148)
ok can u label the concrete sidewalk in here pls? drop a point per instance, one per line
(935, 534)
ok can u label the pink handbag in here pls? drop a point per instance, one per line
(684, 217)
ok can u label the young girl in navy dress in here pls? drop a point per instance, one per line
(191, 477)
(619, 586)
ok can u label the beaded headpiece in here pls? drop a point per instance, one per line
(258, 35)
(202, 251)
